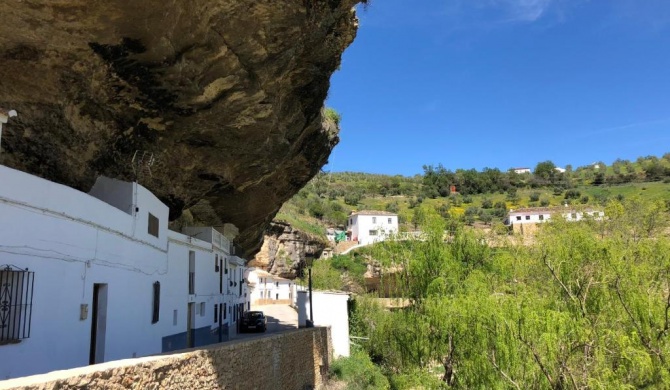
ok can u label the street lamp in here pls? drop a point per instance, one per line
(309, 260)
(4, 117)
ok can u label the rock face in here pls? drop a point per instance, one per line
(214, 105)
(284, 250)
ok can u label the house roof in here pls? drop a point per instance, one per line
(372, 212)
(518, 168)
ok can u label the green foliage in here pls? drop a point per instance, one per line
(352, 198)
(572, 194)
(534, 196)
(583, 306)
(332, 115)
(324, 276)
(359, 372)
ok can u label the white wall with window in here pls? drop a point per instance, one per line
(105, 287)
(268, 289)
(368, 227)
(530, 215)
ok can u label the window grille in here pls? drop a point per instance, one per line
(16, 303)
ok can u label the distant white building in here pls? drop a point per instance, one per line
(269, 289)
(89, 278)
(559, 170)
(370, 226)
(521, 170)
(517, 218)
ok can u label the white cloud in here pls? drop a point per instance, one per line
(522, 10)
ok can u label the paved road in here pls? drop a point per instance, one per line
(280, 318)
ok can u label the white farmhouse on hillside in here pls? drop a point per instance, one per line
(521, 170)
(370, 226)
(518, 218)
(90, 278)
(269, 289)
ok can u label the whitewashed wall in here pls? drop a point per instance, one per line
(330, 309)
(72, 240)
(268, 286)
(363, 224)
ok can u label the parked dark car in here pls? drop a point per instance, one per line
(254, 321)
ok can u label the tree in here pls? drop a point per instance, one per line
(545, 170)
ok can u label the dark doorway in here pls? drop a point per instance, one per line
(98, 324)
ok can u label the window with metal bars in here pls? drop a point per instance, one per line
(16, 303)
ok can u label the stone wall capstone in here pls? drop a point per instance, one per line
(296, 359)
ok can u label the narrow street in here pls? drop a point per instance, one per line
(280, 318)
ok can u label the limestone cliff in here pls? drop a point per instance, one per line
(215, 105)
(284, 250)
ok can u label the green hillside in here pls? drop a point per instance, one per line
(483, 197)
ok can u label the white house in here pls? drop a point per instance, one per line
(269, 289)
(370, 226)
(559, 170)
(536, 215)
(521, 170)
(88, 278)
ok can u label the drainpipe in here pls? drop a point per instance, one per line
(4, 117)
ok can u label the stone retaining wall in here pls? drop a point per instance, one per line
(296, 359)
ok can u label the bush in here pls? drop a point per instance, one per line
(359, 372)
(584, 199)
(467, 199)
(544, 202)
(333, 116)
(392, 207)
(487, 203)
(572, 194)
(535, 196)
(316, 209)
(352, 198)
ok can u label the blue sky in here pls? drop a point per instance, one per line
(503, 83)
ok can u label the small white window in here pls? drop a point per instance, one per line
(373, 232)
(527, 217)
(374, 219)
(153, 225)
(518, 218)
(202, 309)
(541, 217)
(175, 315)
(390, 221)
(573, 215)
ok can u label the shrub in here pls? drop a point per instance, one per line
(392, 207)
(352, 198)
(467, 199)
(584, 199)
(487, 203)
(544, 202)
(535, 196)
(572, 194)
(359, 372)
(333, 116)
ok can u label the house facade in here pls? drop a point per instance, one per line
(267, 289)
(521, 170)
(520, 218)
(370, 226)
(89, 278)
